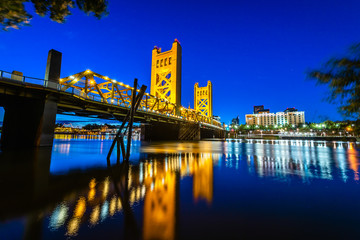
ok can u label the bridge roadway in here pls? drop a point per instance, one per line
(71, 102)
(19, 91)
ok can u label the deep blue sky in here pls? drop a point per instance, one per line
(255, 52)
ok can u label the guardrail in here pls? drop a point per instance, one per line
(45, 83)
(77, 92)
(23, 79)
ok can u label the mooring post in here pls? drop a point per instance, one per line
(129, 118)
(133, 104)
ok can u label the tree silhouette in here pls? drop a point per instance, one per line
(342, 76)
(13, 13)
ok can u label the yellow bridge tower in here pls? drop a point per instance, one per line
(166, 74)
(203, 99)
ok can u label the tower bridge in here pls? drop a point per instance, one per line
(31, 104)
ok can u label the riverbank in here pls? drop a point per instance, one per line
(322, 138)
(272, 137)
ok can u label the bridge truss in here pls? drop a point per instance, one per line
(94, 86)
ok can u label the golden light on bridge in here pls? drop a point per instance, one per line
(91, 85)
(203, 99)
(166, 74)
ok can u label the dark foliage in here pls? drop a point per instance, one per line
(13, 13)
(342, 76)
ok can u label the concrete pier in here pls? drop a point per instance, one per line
(30, 122)
(159, 131)
(156, 131)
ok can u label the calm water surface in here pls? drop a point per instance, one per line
(181, 190)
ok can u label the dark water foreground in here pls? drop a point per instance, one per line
(201, 190)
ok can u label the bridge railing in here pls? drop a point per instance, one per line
(149, 102)
(23, 79)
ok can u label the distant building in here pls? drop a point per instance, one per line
(235, 121)
(290, 110)
(260, 109)
(217, 118)
(289, 116)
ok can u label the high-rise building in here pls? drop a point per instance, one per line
(235, 121)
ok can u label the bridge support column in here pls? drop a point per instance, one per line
(211, 133)
(160, 131)
(30, 122)
(156, 131)
(27, 123)
(189, 132)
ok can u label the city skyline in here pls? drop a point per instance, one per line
(248, 62)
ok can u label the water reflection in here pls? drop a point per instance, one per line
(159, 208)
(154, 181)
(58, 217)
(306, 159)
(73, 203)
(353, 160)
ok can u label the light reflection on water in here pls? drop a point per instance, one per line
(152, 189)
(153, 181)
(306, 159)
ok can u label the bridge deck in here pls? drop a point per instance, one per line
(73, 102)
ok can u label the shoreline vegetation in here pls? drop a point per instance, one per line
(90, 129)
(309, 138)
(253, 137)
(326, 131)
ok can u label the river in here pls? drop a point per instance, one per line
(181, 190)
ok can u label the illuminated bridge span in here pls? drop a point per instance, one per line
(31, 104)
(93, 86)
